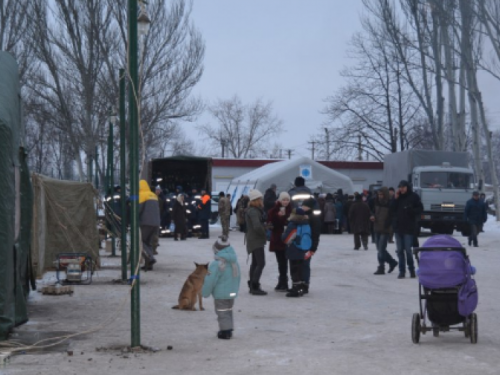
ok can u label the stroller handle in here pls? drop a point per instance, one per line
(423, 249)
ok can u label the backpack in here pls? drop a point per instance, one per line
(303, 239)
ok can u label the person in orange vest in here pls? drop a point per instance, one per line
(204, 212)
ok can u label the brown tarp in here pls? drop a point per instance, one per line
(64, 221)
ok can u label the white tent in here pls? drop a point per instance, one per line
(318, 178)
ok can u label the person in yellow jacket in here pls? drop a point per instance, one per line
(149, 222)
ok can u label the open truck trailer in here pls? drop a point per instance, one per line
(186, 171)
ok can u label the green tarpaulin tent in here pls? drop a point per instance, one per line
(16, 203)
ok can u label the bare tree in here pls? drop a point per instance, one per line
(171, 65)
(489, 16)
(374, 114)
(80, 45)
(245, 130)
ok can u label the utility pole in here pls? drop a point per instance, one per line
(360, 155)
(312, 149)
(327, 144)
(223, 144)
(134, 173)
(96, 176)
(111, 179)
(123, 166)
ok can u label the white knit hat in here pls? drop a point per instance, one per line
(284, 196)
(254, 194)
(221, 243)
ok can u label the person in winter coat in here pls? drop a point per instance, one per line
(475, 214)
(296, 256)
(255, 238)
(406, 208)
(381, 219)
(223, 283)
(162, 204)
(339, 209)
(224, 210)
(179, 217)
(309, 207)
(329, 214)
(149, 222)
(299, 192)
(277, 218)
(359, 221)
(270, 198)
(241, 208)
(204, 212)
(347, 207)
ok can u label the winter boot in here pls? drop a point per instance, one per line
(282, 286)
(412, 274)
(225, 335)
(305, 288)
(249, 283)
(393, 265)
(296, 291)
(256, 291)
(380, 271)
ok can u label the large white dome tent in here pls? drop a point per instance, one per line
(318, 178)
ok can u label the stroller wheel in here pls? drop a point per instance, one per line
(435, 331)
(473, 328)
(415, 328)
(466, 329)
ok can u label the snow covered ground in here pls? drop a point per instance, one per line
(352, 322)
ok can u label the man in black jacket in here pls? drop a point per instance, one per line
(406, 208)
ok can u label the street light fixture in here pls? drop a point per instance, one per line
(143, 20)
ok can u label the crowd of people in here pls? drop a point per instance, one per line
(291, 222)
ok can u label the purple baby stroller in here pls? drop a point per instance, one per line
(447, 288)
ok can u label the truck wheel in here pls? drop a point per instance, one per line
(466, 232)
(448, 229)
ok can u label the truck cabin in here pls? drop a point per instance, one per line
(446, 179)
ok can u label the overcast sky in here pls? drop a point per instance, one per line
(286, 51)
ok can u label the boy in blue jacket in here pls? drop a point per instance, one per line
(223, 282)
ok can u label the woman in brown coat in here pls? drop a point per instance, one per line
(277, 217)
(359, 220)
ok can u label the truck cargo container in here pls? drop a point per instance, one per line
(442, 179)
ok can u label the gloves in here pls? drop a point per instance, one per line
(308, 255)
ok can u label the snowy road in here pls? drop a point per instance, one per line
(352, 322)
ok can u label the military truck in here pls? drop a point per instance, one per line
(188, 172)
(442, 179)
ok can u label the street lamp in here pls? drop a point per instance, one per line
(143, 20)
(133, 23)
(111, 178)
(143, 23)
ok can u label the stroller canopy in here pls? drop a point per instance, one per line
(442, 240)
(442, 269)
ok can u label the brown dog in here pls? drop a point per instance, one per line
(192, 288)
